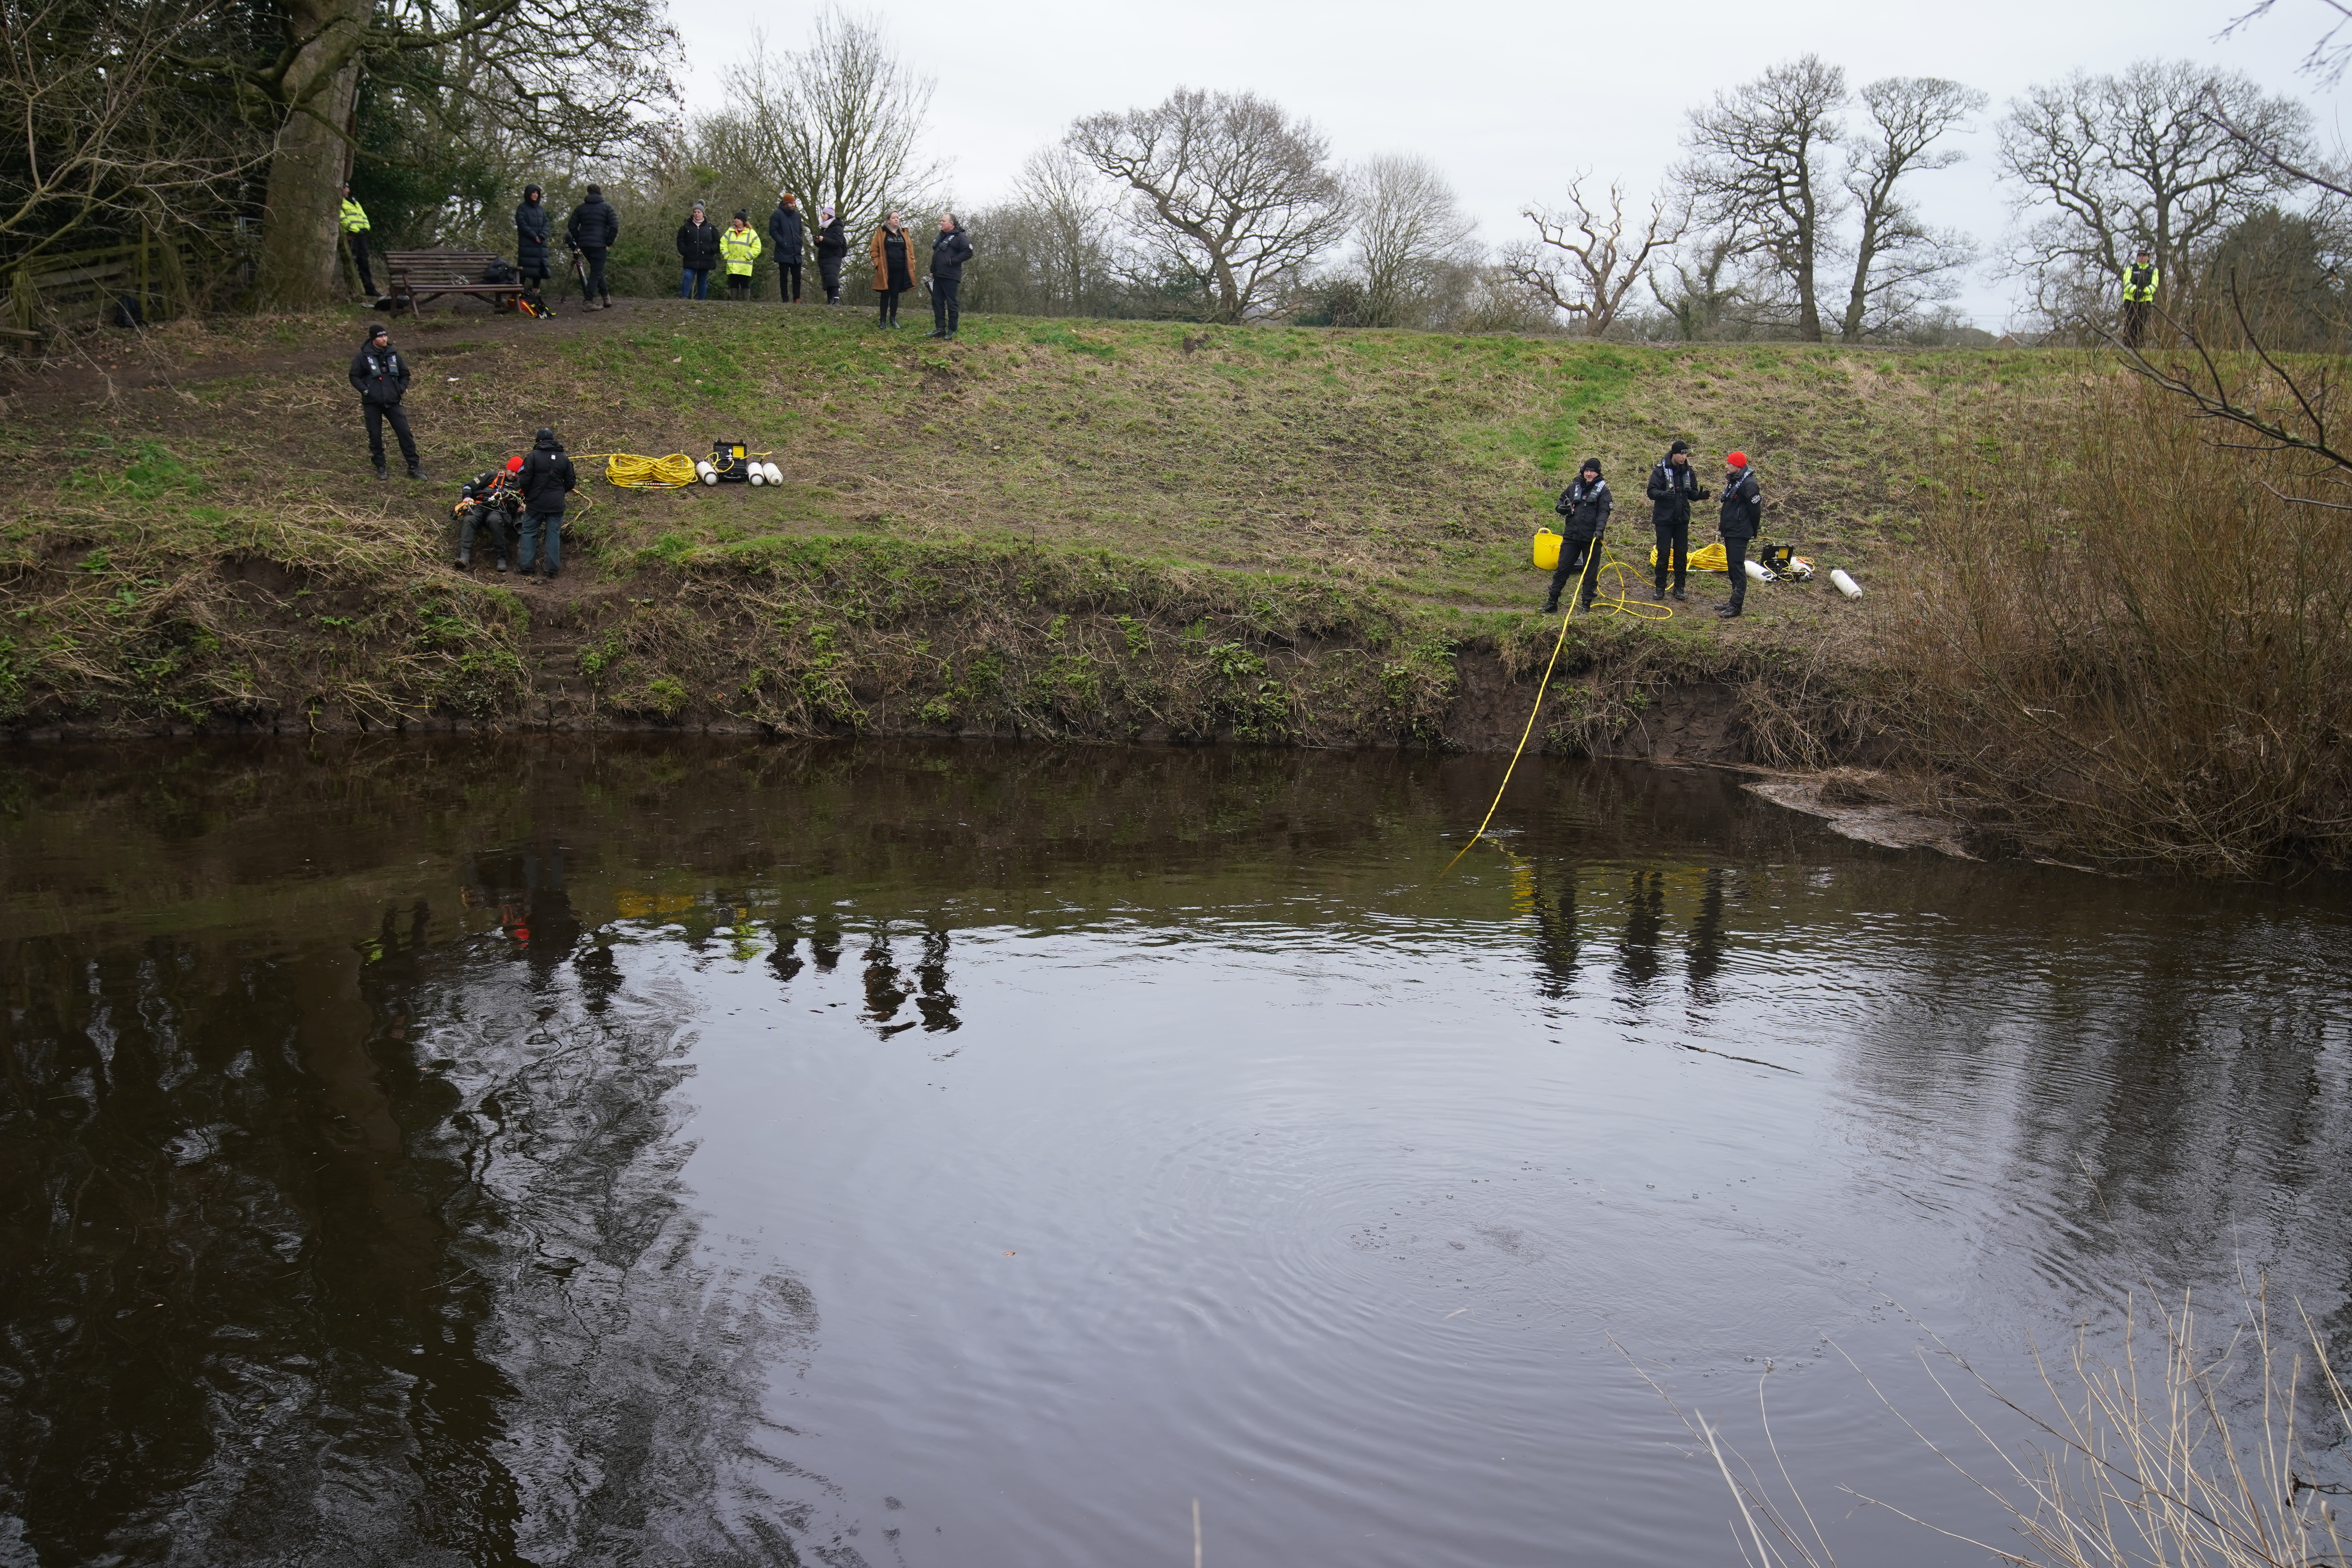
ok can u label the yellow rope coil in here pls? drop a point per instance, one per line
(631, 472)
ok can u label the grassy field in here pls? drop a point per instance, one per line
(1096, 528)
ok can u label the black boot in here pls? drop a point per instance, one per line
(1551, 606)
(381, 471)
(464, 557)
(1679, 596)
(416, 471)
(1658, 593)
(502, 560)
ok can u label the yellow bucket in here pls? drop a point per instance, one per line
(1547, 549)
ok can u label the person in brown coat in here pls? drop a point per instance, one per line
(894, 267)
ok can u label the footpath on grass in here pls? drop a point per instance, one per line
(1097, 530)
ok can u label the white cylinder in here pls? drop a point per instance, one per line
(1756, 569)
(706, 473)
(1845, 584)
(775, 474)
(758, 475)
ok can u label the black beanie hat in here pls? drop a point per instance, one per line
(1681, 446)
(743, 215)
(1592, 466)
(378, 330)
(545, 435)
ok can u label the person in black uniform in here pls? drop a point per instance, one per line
(546, 478)
(594, 229)
(949, 251)
(1674, 485)
(1742, 516)
(785, 233)
(380, 378)
(489, 501)
(1584, 508)
(831, 246)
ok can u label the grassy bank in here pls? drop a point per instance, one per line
(1087, 529)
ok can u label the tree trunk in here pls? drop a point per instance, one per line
(298, 263)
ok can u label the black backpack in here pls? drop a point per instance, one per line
(498, 271)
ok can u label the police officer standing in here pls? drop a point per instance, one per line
(1741, 519)
(1674, 485)
(380, 377)
(1585, 506)
(2140, 280)
(591, 231)
(356, 234)
(545, 479)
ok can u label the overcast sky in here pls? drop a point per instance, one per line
(1507, 97)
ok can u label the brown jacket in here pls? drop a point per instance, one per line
(882, 267)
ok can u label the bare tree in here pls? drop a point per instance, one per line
(2106, 164)
(1049, 250)
(103, 129)
(1899, 262)
(1229, 193)
(1585, 260)
(838, 121)
(1758, 156)
(1409, 225)
(1706, 283)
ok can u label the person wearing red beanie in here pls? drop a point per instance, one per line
(1742, 518)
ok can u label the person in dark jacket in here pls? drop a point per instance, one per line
(380, 378)
(892, 250)
(1674, 485)
(698, 255)
(786, 233)
(546, 478)
(949, 251)
(489, 501)
(1742, 518)
(1584, 508)
(594, 229)
(532, 225)
(832, 248)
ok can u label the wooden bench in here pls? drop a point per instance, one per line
(429, 274)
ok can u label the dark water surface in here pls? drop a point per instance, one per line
(680, 1152)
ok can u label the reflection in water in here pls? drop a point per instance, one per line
(1706, 941)
(440, 1154)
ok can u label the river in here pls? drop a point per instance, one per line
(677, 1152)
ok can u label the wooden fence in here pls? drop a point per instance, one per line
(48, 292)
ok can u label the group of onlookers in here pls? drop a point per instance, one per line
(703, 249)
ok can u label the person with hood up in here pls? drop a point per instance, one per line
(1584, 508)
(832, 250)
(949, 251)
(785, 231)
(594, 229)
(354, 221)
(532, 225)
(545, 479)
(741, 247)
(488, 500)
(698, 255)
(1674, 485)
(380, 378)
(1742, 518)
(893, 252)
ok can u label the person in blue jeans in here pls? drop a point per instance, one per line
(546, 479)
(697, 254)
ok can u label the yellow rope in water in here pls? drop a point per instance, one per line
(631, 472)
(1618, 605)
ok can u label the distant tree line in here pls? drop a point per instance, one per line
(1798, 210)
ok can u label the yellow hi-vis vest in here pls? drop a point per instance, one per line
(2139, 282)
(739, 247)
(354, 217)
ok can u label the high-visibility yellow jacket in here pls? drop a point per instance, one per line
(739, 244)
(354, 217)
(2139, 282)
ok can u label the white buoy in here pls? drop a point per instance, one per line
(758, 475)
(706, 473)
(1756, 569)
(1845, 584)
(775, 474)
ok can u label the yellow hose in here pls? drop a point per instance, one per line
(1617, 604)
(631, 472)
